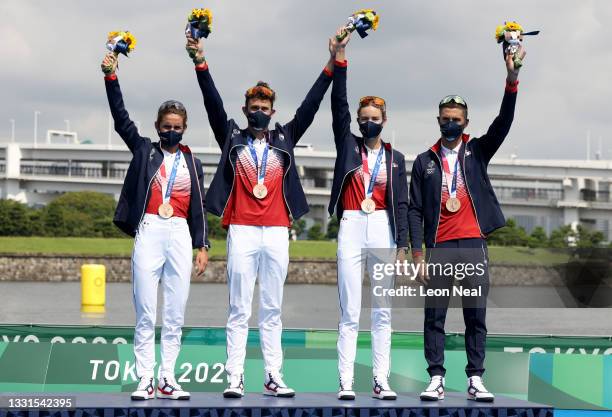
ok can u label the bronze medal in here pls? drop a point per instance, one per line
(260, 191)
(165, 211)
(368, 206)
(453, 204)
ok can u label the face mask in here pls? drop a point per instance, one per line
(258, 120)
(370, 129)
(451, 130)
(170, 138)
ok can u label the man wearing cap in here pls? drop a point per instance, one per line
(453, 208)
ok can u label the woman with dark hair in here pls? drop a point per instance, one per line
(162, 206)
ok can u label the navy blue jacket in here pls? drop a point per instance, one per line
(283, 138)
(348, 159)
(146, 161)
(474, 157)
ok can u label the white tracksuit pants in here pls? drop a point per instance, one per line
(358, 231)
(252, 252)
(162, 251)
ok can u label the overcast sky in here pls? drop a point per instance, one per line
(51, 53)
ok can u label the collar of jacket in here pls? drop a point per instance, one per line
(182, 148)
(361, 142)
(465, 138)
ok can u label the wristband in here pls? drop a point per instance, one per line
(199, 60)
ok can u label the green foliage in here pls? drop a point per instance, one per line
(315, 233)
(14, 219)
(299, 226)
(78, 214)
(563, 237)
(510, 235)
(538, 238)
(332, 228)
(215, 228)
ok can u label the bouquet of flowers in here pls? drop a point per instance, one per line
(510, 35)
(360, 21)
(199, 23)
(120, 42)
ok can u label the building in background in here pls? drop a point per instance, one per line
(547, 193)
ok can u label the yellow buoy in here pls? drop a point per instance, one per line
(93, 288)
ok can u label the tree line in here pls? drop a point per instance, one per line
(90, 214)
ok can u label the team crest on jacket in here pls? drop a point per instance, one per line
(356, 149)
(151, 154)
(468, 153)
(281, 136)
(236, 132)
(430, 168)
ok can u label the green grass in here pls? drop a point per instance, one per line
(299, 249)
(123, 247)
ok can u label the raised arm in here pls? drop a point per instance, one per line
(490, 142)
(217, 117)
(124, 126)
(341, 117)
(308, 109)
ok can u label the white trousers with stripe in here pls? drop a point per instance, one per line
(359, 231)
(256, 253)
(162, 253)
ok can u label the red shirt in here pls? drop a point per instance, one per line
(243, 207)
(354, 192)
(461, 224)
(181, 190)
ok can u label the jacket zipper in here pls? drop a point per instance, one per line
(233, 179)
(147, 194)
(467, 186)
(441, 191)
(390, 174)
(342, 185)
(200, 194)
(284, 177)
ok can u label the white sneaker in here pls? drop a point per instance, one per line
(169, 388)
(477, 391)
(235, 386)
(345, 392)
(435, 389)
(275, 386)
(382, 390)
(145, 389)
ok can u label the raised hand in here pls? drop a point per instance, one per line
(194, 48)
(336, 47)
(109, 63)
(513, 70)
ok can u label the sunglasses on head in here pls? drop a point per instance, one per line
(260, 89)
(172, 104)
(453, 99)
(377, 101)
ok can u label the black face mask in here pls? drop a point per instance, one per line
(370, 129)
(170, 138)
(258, 120)
(451, 130)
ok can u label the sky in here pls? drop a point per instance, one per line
(422, 51)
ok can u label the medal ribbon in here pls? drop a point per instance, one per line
(168, 192)
(261, 171)
(453, 188)
(367, 179)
